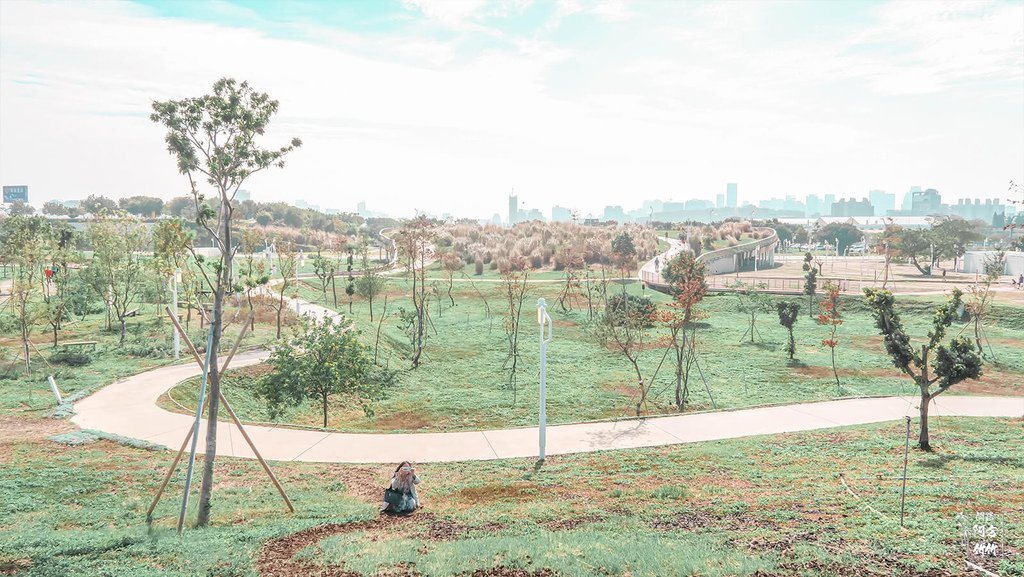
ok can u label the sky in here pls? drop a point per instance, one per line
(449, 105)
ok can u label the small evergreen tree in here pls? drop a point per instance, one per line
(951, 363)
(788, 312)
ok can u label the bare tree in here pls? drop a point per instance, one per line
(415, 245)
(514, 278)
(286, 265)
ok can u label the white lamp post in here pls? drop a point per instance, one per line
(542, 319)
(175, 279)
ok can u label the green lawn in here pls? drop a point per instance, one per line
(148, 343)
(771, 504)
(461, 384)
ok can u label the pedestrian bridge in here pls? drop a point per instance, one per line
(752, 255)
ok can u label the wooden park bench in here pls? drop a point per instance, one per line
(81, 344)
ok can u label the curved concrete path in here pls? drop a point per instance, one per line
(128, 407)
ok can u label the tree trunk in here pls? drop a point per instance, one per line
(680, 400)
(922, 383)
(24, 344)
(223, 283)
(834, 371)
(252, 322)
(792, 342)
(370, 299)
(280, 310)
(324, 400)
(923, 440)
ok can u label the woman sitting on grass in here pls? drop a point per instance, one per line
(401, 497)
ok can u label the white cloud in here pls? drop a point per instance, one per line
(665, 102)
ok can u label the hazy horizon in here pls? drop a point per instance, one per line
(447, 106)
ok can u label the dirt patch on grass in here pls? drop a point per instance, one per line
(993, 382)
(277, 558)
(16, 431)
(444, 530)
(14, 567)
(820, 372)
(722, 481)
(404, 420)
(698, 518)
(628, 390)
(493, 493)
(573, 523)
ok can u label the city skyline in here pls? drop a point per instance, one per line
(444, 107)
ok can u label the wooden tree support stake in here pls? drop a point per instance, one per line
(231, 412)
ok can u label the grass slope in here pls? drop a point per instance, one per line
(462, 384)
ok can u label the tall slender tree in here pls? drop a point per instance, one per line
(415, 244)
(214, 139)
(830, 316)
(118, 243)
(25, 245)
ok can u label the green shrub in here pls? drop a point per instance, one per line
(670, 492)
(71, 358)
(639, 308)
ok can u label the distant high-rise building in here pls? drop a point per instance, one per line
(361, 208)
(242, 195)
(979, 210)
(813, 205)
(615, 213)
(826, 207)
(908, 198)
(925, 202)
(560, 214)
(513, 209)
(300, 203)
(719, 200)
(851, 207)
(650, 206)
(731, 190)
(882, 201)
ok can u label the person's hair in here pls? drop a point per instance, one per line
(402, 464)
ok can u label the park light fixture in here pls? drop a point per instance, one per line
(542, 320)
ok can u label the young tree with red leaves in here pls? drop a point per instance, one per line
(830, 316)
(685, 275)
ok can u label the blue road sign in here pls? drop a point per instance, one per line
(15, 194)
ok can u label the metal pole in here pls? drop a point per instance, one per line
(542, 318)
(53, 387)
(195, 428)
(906, 449)
(174, 307)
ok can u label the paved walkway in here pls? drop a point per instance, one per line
(128, 407)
